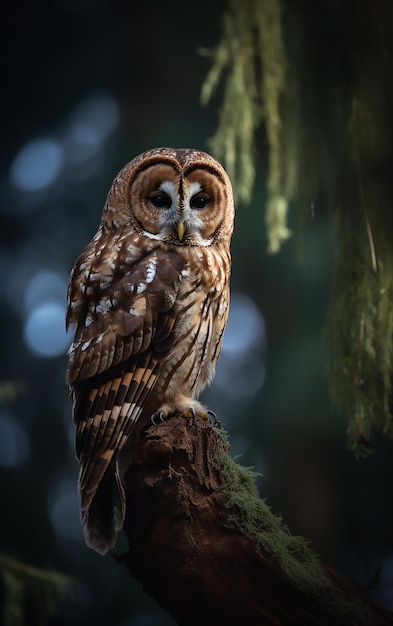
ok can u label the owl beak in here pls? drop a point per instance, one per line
(181, 229)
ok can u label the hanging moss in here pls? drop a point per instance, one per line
(252, 55)
(317, 78)
(361, 318)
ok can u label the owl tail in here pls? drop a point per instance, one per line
(105, 514)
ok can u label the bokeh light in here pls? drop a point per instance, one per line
(45, 332)
(36, 165)
(91, 123)
(14, 441)
(241, 369)
(63, 507)
(246, 327)
(95, 118)
(44, 304)
(45, 285)
(240, 378)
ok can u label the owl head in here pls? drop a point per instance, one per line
(177, 196)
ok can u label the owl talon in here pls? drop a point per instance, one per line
(158, 415)
(190, 415)
(214, 421)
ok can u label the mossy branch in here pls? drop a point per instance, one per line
(209, 550)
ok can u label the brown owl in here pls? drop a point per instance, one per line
(149, 299)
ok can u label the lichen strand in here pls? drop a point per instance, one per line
(361, 320)
(251, 55)
(252, 516)
(326, 114)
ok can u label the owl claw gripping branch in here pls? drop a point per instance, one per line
(148, 298)
(209, 416)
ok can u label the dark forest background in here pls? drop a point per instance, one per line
(86, 86)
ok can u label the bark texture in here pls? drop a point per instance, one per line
(210, 551)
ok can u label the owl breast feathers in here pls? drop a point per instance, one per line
(148, 298)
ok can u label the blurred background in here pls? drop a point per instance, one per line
(88, 85)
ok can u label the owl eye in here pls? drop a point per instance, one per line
(160, 200)
(199, 201)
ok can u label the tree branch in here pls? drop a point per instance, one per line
(209, 550)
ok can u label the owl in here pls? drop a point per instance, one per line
(148, 298)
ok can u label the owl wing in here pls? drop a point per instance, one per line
(123, 332)
(119, 317)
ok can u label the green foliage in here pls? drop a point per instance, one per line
(251, 515)
(326, 110)
(21, 581)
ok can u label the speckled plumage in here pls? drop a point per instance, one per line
(149, 299)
